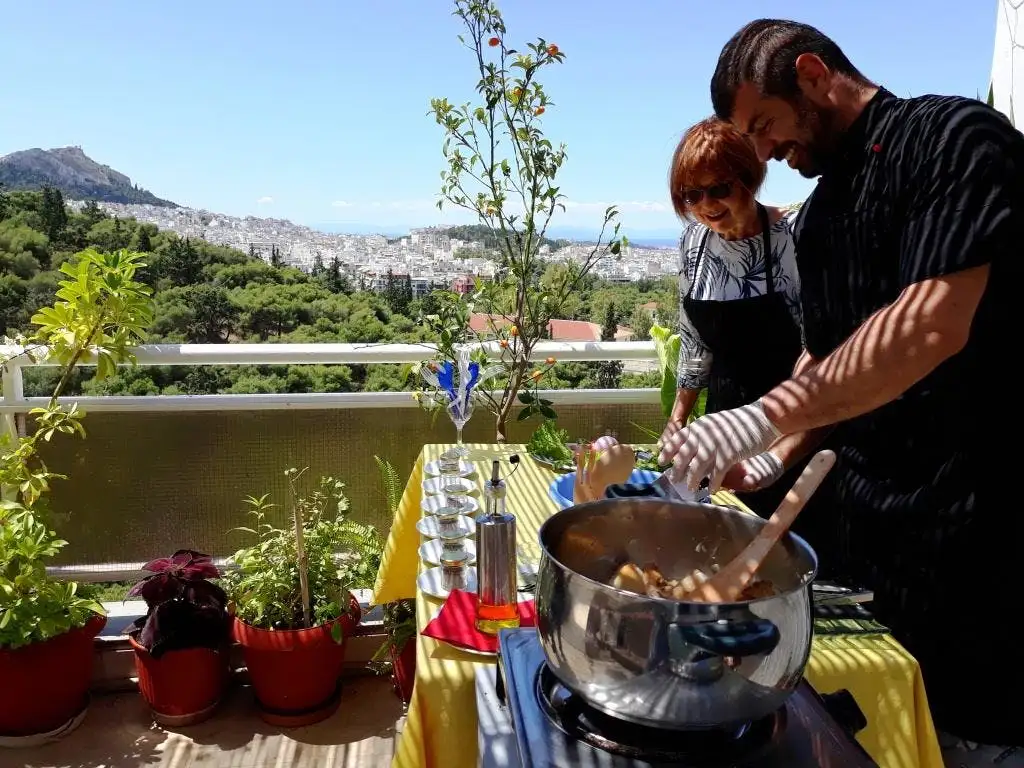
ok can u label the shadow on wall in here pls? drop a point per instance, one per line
(144, 484)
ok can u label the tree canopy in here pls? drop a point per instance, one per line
(207, 293)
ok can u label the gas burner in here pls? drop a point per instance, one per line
(569, 713)
(528, 720)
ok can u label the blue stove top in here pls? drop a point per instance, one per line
(808, 731)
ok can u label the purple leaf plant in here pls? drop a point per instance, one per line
(185, 608)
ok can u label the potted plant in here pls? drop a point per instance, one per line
(398, 651)
(181, 645)
(46, 628)
(502, 168)
(293, 606)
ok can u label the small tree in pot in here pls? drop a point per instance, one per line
(181, 644)
(503, 169)
(292, 600)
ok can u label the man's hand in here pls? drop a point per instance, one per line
(713, 444)
(754, 473)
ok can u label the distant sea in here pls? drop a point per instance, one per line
(652, 238)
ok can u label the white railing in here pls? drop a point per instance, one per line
(14, 400)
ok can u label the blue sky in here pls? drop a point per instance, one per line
(315, 110)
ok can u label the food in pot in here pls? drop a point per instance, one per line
(650, 581)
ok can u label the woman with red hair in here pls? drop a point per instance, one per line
(739, 292)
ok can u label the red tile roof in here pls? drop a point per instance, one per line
(480, 322)
(574, 330)
(560, 330)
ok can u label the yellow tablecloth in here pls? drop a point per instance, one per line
(441, 724)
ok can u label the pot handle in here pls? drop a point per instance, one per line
(727, 638)
(642, 490)
(631, 491)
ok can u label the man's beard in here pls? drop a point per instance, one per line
(819, 127)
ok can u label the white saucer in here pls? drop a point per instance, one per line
(437, 485)
(430, 551)
(431, 527)
(433, 468)
(429, 583)
(431, 504)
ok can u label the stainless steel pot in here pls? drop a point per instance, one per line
(661, 662)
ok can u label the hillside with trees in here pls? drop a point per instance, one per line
(481, 234)
(76, 175)
(206, 293)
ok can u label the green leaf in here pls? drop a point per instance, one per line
(94, 607)
(524, 414)
(525, 397)
(548, 412)
(667, 345)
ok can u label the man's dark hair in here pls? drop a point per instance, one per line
(764, 54)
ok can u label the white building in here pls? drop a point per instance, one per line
(430, 238)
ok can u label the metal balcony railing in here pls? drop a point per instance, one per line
(161, 472)
(14, 400)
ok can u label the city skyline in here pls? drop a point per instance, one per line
(430, 256)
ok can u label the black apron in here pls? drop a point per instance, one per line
(754, 344)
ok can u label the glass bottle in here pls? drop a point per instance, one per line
(497, 604)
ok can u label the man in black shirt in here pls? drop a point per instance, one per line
(910, 262)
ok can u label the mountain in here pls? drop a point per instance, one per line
(75, 174)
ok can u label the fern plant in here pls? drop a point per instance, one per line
(399, 616)
(393, 485)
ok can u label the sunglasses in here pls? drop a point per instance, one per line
(715, 192)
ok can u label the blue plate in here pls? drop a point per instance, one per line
(561, 487)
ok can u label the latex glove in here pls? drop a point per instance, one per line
(754, 473)
(713, 444)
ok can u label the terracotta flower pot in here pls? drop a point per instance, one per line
(45, 685)
(403, 666)
(296, 673)
(182, 687)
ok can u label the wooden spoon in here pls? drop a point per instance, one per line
(726, 585)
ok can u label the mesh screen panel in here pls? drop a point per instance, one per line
(142, 485)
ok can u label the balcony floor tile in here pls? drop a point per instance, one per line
(117, 733)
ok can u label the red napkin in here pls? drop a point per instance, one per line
(456, 623)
